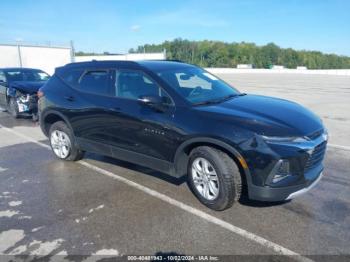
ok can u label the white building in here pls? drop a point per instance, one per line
(301, 68)
(277, 67)
(46, 58)
(245, 66)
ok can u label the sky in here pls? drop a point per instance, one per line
(118, 25)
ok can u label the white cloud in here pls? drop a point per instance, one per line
(135, 28)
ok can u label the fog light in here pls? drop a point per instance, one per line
(282, 171)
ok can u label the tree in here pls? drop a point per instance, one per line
(220, 54)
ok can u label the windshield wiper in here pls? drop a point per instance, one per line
(218, 100)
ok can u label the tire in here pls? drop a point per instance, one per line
(63, 143)
(228, 177)
(12, 108)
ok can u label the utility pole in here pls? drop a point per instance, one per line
(72, 51)
(19, 55)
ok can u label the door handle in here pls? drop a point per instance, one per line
(69, 98)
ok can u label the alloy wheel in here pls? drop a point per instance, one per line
(205, 178)
(60, 143)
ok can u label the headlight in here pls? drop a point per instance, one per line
(294, 139)
(24, 98)
(282, 171)
(325, 135)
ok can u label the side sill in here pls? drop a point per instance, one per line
(128, 156)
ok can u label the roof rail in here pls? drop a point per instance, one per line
(101, 62)
(174, 60)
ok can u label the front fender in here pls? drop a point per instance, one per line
(11, 92)
(181, 158)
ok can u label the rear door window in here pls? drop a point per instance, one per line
(96, 81)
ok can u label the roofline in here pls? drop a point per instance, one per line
(136, 63)
(101, 62)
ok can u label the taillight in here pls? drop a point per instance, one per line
(40, 94)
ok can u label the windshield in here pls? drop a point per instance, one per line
(26, 75)
(197, 86)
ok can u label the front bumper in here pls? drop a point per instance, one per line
(271, 194)
(306, 189)
(27, 104)
(305, 170)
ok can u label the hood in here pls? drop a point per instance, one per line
(267, 115)
(29, 87)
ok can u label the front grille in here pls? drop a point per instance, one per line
(316, 156)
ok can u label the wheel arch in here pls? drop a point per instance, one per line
(50, 117)
(182, 155)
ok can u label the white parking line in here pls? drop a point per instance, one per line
(212, 219)
(339, 147)
(2, 169)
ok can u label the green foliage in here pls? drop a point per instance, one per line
(81, 53)
(220, 54)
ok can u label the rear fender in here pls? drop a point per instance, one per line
(44, 115)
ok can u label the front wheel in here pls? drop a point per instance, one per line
(214, 177)
(62, 142)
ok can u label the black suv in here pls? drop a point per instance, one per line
(183, 121)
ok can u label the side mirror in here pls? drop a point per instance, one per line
(155, 102)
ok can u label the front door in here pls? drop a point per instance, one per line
(136, 127)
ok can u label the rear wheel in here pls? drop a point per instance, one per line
(214, 177)
(13, 108)
(63, 143)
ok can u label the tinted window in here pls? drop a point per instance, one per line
(72, 77)
(133, 85)
(2, 77)
(26, 75)
(96, 82)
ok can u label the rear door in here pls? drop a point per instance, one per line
(87, 105)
